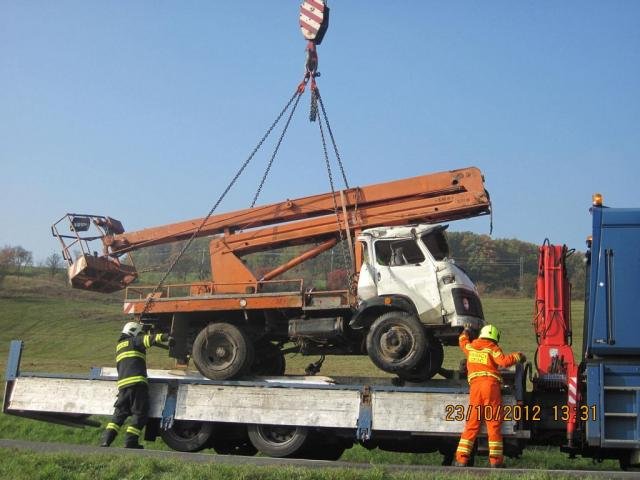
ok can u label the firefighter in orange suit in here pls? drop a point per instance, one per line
(484, 356)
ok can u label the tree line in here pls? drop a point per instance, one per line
(506, 267)
(16, 260)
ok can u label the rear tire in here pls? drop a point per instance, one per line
(221, 351)
(279, 441)
(186, 436)
(396, 342)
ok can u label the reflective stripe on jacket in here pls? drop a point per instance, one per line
(484, 357)
(131, 358)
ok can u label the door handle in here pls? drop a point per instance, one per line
(379, 276)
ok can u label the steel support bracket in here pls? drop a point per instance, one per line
(13, 363)
(169, 409)
(365, 415)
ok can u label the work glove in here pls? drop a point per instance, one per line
(523, 357)
(171, 341)
(166, 338)
(471, 332)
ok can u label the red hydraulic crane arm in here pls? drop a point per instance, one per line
(429, 198)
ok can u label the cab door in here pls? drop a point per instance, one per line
(403, 268)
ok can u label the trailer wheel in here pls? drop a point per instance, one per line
(186, 436)
(269, 360)
(429, 365)
(221, 351)
(396, 341)
(279, 441)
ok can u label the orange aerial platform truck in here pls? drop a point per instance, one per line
(405, 300)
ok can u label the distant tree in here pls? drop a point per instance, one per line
(53, 263)
(6, 261)
(22, 259)
(15, 259)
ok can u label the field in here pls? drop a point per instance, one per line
(70, 331)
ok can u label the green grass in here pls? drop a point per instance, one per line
(26, 465)
(65, 330)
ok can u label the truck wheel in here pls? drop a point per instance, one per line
(428, 366)
(278, 441)
(186, 436)
(269, 360)
(396, 341)
(221, 351)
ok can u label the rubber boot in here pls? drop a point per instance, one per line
(108, 437)
(131, 441)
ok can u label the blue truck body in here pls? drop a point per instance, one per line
(611, 348)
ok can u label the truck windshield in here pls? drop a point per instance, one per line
(436, 243)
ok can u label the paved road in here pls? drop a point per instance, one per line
(264, 461)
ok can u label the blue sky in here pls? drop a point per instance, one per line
(144, 110)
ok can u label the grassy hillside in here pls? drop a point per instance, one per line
(69, 331)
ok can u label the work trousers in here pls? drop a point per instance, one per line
(132, 402)
(485, 404)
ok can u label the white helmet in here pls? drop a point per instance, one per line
(132, 328)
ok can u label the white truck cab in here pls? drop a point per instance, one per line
(413, 262)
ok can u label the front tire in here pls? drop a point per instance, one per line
(221, 351)
(396, 342)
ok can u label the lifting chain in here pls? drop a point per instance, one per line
(294, 98)
(314, 20)
(277, 147)
(345, 256)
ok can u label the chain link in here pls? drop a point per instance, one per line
(335, 203)
(333, 141)
(313, 111)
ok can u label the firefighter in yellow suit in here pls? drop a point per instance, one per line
(484, 356)
(133, 391)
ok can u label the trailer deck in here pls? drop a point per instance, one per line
(364, 405)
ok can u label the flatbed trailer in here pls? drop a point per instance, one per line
(321, 415)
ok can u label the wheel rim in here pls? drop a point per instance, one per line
(220, 351)
(278, 435)
(396, 343)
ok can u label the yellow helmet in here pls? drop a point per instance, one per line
(490, 332)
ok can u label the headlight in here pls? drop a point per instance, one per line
(448, 279)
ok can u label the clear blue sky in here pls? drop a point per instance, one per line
(144, 110)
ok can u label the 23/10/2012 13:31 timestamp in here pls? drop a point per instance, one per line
(516, 413)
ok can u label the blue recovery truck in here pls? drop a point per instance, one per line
(610, 369)
(589, 407)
